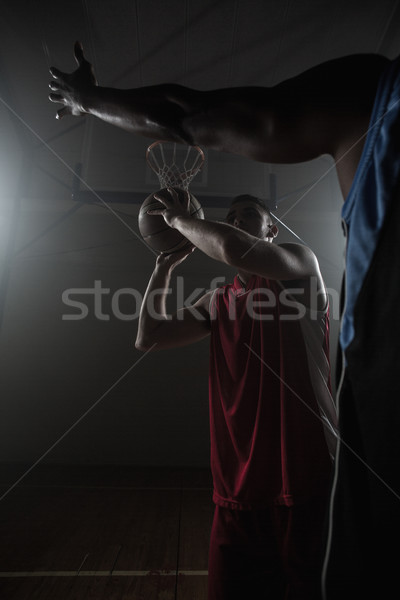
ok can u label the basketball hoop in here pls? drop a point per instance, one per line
(175, 165)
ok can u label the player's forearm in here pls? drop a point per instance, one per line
(213, 238)
(150, 112)
(153, 311)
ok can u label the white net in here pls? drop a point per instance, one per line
(174, 164)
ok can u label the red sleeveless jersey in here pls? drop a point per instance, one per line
(272, 417)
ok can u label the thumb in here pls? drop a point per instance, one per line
(78, 52)
(62, 112)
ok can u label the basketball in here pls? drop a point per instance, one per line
(154, 230)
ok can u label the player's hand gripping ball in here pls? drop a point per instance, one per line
(153, 228)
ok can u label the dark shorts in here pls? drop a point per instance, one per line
(270, 554)
(362, 556)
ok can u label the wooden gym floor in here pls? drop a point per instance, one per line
(115, 533)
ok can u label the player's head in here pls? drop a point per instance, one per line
(252, 215)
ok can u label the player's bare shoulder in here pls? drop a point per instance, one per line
(310, 290)
(303, 256)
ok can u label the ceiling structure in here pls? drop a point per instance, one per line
(55, 368)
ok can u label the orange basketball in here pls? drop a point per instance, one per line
(154, 230)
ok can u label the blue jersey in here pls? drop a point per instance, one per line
(372, 190)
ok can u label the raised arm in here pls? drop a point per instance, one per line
(323, 110)
(161, 330)
(236, 247)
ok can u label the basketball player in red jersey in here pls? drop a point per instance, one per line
(348, 108)
(271, 412)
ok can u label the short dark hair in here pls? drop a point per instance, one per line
(250, 198)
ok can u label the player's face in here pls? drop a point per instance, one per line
(250, 218)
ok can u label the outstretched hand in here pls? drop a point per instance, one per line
(173, 206)
(71, 89)
(174, 259)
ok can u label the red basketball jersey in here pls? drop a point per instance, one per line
(272, 416)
